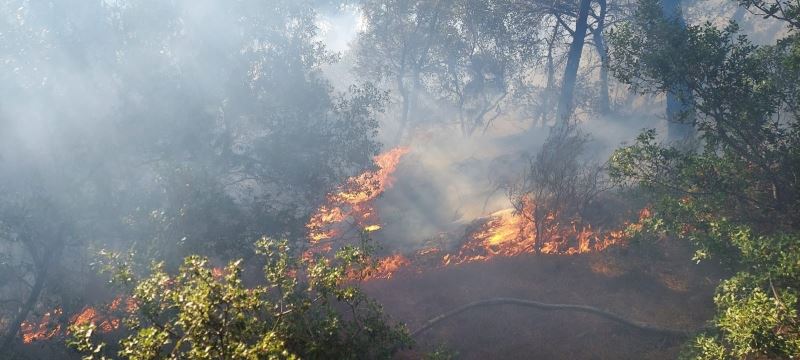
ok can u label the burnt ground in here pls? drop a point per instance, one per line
(661, 286)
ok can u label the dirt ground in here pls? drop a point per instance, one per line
(661, 286)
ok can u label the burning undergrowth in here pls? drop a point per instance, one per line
(349, 210)
(542, 220)
(107, 317)
(507, 233)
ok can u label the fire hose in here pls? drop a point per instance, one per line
(556, 307)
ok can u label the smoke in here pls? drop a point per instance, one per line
(338, 28)
(449, 180)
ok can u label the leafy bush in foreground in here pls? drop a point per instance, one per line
(305, 308)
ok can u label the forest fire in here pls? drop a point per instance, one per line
(351, 202)
(49, 326)
(512, 232)
(506, 233)
(509, 233)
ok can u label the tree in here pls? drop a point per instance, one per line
(679, 97)
(570, 27)
(604, 102)
(666, 35)
(477, 58)
(560, 182)
(461, 57)
(171, 128)
(485, 64)
(573, 61)
(34, 251)
(397, 48)
(736, 198)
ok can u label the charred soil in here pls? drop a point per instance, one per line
(660, 286)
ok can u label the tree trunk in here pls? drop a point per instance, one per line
(573, 62)
(33, 298)
(604, 102)
(411, 96)
(404, 112)
(401, 88)
(43, 263)
(679, 98)
(547, 101)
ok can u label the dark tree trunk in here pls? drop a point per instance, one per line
(549, 91)
(573, 62)
(604, 102)
(411, 96)
(42, 259)
(33, 298)
(679, 98)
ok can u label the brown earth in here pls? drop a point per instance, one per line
(661, 287)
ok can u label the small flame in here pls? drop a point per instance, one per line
(48, 326)
(387, 267)
(217, 273)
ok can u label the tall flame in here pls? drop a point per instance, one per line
(352, 200)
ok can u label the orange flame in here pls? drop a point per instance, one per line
(48, 327)
(509, 233)
(217, 273)
(512, 232)
(367, 186)
(387, 267)
(352, 200)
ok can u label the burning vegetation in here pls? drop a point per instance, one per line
(106, 318)
(349, 212)
(350, 206)
(427, 149)
(506, 233)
